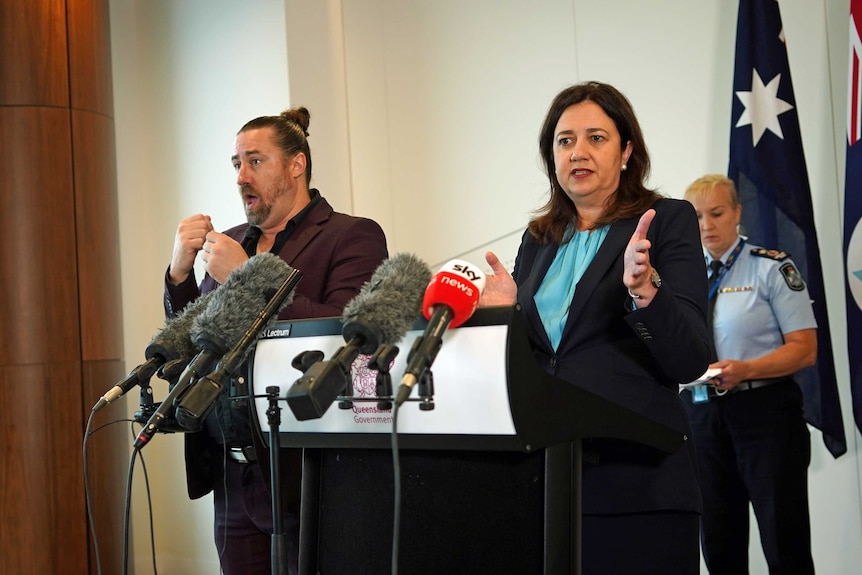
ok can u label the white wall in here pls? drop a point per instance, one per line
(425, 116)
(187, 76)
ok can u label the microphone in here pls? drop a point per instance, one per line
(381, 313)
(220, 326)
(194, 406)
(450, 300)
(173, 343)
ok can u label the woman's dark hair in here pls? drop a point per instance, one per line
(291, 131)
(631, 199)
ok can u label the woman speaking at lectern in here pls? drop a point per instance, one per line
(611, 282)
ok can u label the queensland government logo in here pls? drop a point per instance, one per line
(365, 385)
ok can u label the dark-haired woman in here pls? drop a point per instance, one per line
(610, 279)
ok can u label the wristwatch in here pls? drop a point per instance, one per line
(655, 280)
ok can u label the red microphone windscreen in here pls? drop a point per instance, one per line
(458, 285)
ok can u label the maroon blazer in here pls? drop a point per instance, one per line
(336, 253)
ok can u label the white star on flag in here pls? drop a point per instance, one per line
(762, 107)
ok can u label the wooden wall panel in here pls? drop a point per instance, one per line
(99, 277)
(60, 304)
(39, 306)
(41, 478)
(109, 450)
(33, 68)
(98, 246)
(90, 57)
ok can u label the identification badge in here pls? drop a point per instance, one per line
(699, 394)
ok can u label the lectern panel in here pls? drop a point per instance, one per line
(470, 397)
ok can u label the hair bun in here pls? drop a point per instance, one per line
(299, 116)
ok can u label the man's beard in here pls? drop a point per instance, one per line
(259, 214)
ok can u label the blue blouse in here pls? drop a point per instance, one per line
(554, 296)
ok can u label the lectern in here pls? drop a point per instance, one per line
(490, 476)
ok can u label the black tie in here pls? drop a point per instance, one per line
(714, 268)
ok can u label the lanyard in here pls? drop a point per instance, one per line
(726, 267)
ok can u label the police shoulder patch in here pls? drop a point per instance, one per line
(771, 254)
(792, 276)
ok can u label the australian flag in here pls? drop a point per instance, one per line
(768, 166)
(853, 209)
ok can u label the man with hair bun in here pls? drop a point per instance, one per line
(336, 253)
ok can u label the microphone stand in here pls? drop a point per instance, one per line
(380, 361)
(146, 404)
(273, 416)
(426, 390)
(197, 401)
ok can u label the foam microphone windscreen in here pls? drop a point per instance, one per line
(234, 305)
(172, 343)
(238, 311)
(175, 340)
(388, 304)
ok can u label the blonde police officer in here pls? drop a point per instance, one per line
(751, 438)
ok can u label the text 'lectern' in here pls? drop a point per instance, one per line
(490, 476)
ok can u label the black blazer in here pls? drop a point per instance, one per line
(634, 358)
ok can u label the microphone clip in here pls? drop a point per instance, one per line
(424, 385)
(169, 372)
(381, 361)
(425, 390)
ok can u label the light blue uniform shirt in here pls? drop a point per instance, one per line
(759, 299)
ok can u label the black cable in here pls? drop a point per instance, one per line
(126, 512)
(223, 548)
(90, 519)
(396, 469)
(149, 504)
(128, 507)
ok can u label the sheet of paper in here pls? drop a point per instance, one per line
(707, 375)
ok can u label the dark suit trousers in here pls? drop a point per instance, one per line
(753, 446)
(243, 523)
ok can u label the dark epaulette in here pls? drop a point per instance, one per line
(771, 254)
